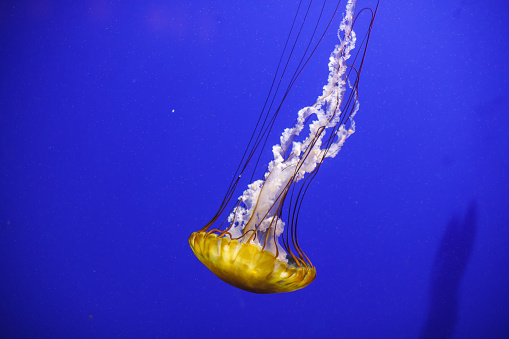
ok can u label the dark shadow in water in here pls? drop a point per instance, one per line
(448, 269)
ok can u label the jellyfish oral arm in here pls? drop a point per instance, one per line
(261, 198)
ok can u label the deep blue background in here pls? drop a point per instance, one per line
(121, 126)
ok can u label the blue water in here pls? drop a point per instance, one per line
(122, 125)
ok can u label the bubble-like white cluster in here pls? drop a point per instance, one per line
(259, 202)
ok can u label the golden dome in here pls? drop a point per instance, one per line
(247, 266)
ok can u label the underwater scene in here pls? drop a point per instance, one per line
(257, 169)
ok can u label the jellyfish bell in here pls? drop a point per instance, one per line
(252, 244)
(248, 267)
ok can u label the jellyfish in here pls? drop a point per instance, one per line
(252, 243)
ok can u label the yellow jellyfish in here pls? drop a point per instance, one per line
(253, 243)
